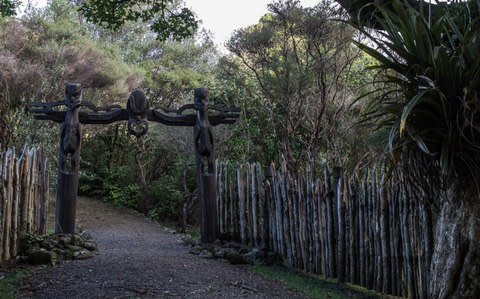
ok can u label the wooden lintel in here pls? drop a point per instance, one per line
(84, 117)
(181, 120)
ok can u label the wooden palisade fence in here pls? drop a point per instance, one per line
(23, 197)
(358, 229)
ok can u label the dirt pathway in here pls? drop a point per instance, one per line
(138, 259)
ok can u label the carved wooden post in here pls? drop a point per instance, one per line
(204, 149)
(68, 161)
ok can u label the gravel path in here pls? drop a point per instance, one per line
(139, 259)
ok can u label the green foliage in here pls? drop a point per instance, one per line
(178, 70)
(250, 139)
(8, 283)
(166, 19)
(312, 286)
(430, 100)
(120, 189)
(108, 170)
(168, 191)
(8, 7)
(300, 59)
(30, 238)
(168, 198)
(105, 155)
(361, 74)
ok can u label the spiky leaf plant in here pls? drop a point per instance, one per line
(430, 104)
(432, 68)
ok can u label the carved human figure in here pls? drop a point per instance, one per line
(204, 150)
(203, 132)
(69, 158)
(71, 130)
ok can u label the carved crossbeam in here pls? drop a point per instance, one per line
(90, 114)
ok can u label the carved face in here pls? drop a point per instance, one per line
(200, 97)
(73, 95)
(137, 107)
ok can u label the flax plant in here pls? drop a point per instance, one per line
(432, 69)
(430, 105)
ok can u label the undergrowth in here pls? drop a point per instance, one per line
(313, 286)
(8, 282)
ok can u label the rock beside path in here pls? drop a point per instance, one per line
(236, 253)
(54, 249)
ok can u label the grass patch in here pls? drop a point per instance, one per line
(8, 282)
(313, 286)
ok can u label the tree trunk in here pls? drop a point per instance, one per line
(455, 267)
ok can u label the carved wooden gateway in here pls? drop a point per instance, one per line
(138, 114)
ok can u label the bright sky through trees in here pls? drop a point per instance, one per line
(221, 17)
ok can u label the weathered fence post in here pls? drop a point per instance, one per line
(8, 195)
(358, 228)
(330, 227)
(385, 238)
(270, 236)
(19, 202)
(340, 205)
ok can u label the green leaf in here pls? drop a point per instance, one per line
(407, 109)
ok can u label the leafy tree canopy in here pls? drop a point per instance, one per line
(300, 58)
(8, 7)
(167, 20)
